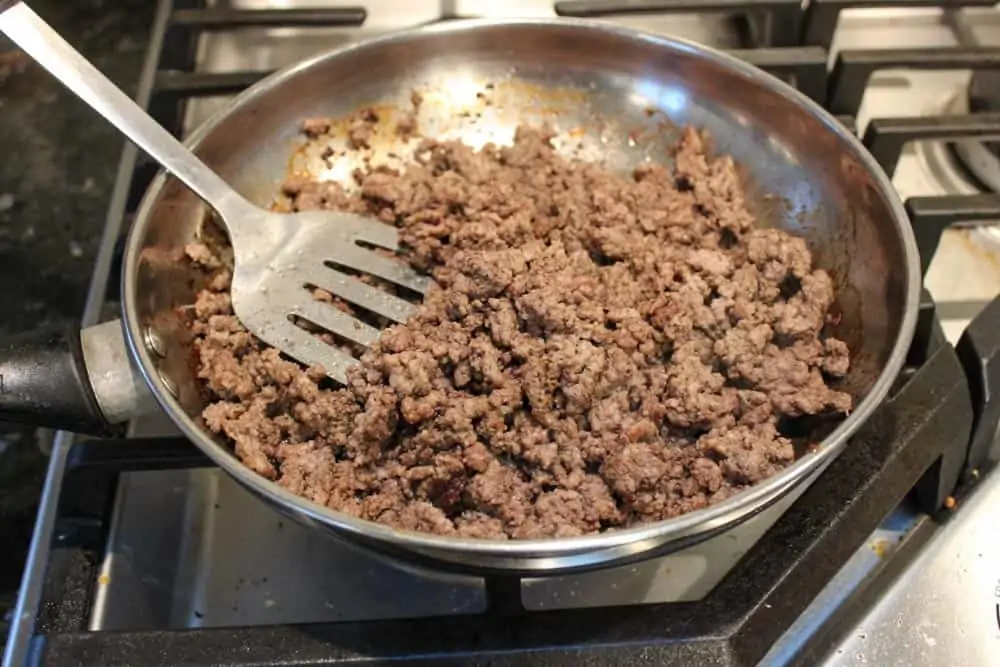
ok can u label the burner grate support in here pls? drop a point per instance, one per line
(912, 441)
(771, 22)
(821, 16)
(853, 69)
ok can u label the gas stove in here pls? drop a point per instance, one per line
(145, 554)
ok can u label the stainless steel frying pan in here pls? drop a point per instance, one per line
(622, 95)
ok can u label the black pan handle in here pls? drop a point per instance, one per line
(44, 382)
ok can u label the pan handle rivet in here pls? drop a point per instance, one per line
(168, 384)
(155, 343)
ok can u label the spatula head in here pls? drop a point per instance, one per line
(279, 263)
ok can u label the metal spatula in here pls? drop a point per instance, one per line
(276, 254)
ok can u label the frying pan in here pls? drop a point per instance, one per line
(614, 95)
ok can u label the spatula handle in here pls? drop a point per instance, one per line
(38, 40)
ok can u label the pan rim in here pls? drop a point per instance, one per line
(729, 511)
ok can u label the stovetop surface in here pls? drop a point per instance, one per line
(945, 608)
(217, 557)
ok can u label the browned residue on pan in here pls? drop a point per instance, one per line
(455, 109)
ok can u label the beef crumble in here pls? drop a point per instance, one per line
(601, 350)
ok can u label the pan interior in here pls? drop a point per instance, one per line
(613, 97)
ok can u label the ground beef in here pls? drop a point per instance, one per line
(361, 128)
(314, 127)
(601, 350)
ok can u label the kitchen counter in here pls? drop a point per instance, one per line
(56, 175)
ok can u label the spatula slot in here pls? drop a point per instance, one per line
(378, 310)
(328, 337)
(385, 286)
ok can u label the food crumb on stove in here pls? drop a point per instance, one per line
(601, 350)
(881, 548)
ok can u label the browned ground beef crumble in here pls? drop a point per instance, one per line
(602, 351)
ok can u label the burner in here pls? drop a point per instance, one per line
(982, 158)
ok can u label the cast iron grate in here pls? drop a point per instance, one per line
(930, 216)
(821, 16)
(916, 443)
(760, 22)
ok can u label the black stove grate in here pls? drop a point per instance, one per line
(226, 18)
(821, 16)
(916, 442)
(984, 95)
(916, 445)
(761, 22)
